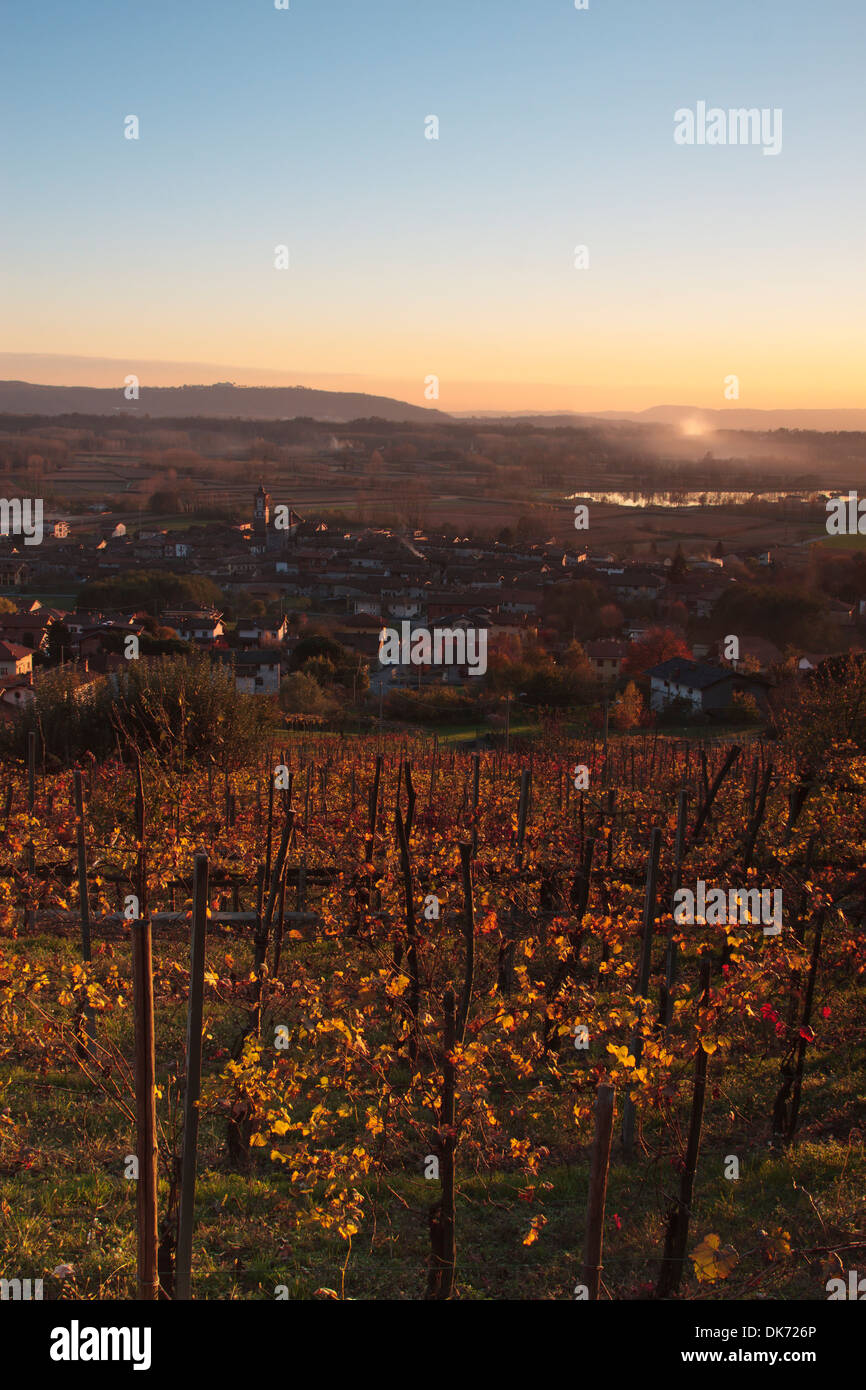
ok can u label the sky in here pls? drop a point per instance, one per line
(412, 258)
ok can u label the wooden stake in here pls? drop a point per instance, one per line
(443, 1255)
(677, 1235)
(192, 1091)
(649, 911)
(145, 1109)
(412, 941)
(599, 1166)
(468, 939)
(666, 1003)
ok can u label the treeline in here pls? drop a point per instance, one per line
(151, 590)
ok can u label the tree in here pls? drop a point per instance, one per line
(610, 617)
(59, 642)
(165, 502)
(302, 694)
(575, 658)
(781, 615)
(150, 590)
(822, 717)
(679, 569)
(627, 710)
(314, 644)
(322, 670)
(572, 607)
(744, 708)
(657, 645)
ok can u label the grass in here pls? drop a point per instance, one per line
(857, 542)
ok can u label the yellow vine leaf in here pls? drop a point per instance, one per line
(712, 1260)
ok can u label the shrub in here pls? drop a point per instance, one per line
(301, 693)
(175, 706)
(744, 709)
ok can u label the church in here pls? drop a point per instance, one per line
(272, 535)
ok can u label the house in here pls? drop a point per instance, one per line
(704, 687)
(109, 637)
(698, 594)
(606, 657)
(519, 600)
(15, 660)
(13, 573)
(257, 672)
(637, 583)
(457, 659)
(259, 630)
(16, 692)
(195, 625)
(27, 629)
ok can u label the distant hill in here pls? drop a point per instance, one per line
(737, 418)
(221, 400)
(692, 417)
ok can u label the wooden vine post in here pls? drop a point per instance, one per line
(144, 1071)
(468, 940)
(666, 1002)
(785, 1118)
(192, 1091)
(508, 947)
(676, 1238)
(599, 1167)
(636, 1045)
(443, 1243)
(411, 937)
(81, 844)
(87, 1017)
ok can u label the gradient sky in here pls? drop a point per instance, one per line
(413, 257)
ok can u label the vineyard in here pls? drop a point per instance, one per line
(424, 1024)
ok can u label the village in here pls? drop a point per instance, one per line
(688, 627)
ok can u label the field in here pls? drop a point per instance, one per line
(447, 497)
(446, 960)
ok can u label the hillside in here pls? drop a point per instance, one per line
(221, 400)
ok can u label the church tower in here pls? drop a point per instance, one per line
(261, 515)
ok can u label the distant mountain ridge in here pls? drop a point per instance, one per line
(220, 400)
(690, 418)
(224, 400)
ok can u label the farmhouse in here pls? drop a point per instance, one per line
(706, 688)
(256, 672)
(15, 660)
(606, 657)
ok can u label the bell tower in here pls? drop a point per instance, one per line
(261, 514)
